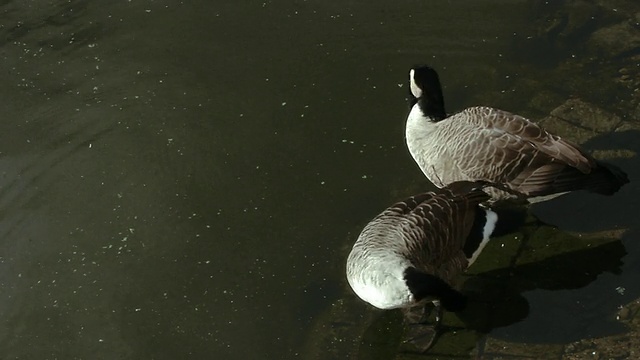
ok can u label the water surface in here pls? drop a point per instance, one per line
(184, 179)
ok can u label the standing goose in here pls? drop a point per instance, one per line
(483, 143)
(410, 254)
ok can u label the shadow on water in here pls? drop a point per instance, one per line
(590, 236)
(496, 296)
(497, 300)
(620, 209)
(583, 252)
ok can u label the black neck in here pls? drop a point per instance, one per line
(432, 108)
(423, 285)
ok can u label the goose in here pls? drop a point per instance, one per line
(409, 255)
(488, 144)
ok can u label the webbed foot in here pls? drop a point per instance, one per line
(423, 325)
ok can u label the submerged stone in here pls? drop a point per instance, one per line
(617, 40)
(580, 121)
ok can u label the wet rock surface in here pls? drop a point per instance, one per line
(617, 347)
(613, 66)
(617, 40)
(529, 258)
(580, 121)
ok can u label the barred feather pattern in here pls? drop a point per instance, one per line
(426, 231)
(483, 143)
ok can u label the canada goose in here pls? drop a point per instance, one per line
(483, 143)
(410, 254)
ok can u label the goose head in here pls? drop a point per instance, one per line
(427, 92)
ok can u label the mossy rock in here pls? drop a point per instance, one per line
(617, 40)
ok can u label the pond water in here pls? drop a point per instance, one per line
(184, 179)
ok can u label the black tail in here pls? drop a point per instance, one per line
(606, 179)
(603, 179)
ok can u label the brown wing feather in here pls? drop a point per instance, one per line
(527, 131)
(510, 149)
(444, 220)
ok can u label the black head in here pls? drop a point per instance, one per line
(423, 285)
(427, 92)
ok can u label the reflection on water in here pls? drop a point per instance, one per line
(183, 180)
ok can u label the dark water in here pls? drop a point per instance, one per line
(184, 179)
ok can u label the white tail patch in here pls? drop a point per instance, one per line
(489, 226)
(415, 89)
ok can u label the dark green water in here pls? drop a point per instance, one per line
(185, 179)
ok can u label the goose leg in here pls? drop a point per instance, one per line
(421, 332)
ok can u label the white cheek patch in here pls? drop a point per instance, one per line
(415, 89)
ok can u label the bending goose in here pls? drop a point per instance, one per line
(410, 254)
(483, 143)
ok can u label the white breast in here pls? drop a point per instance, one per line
(428, 148)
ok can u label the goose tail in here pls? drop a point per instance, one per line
(606, 179)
